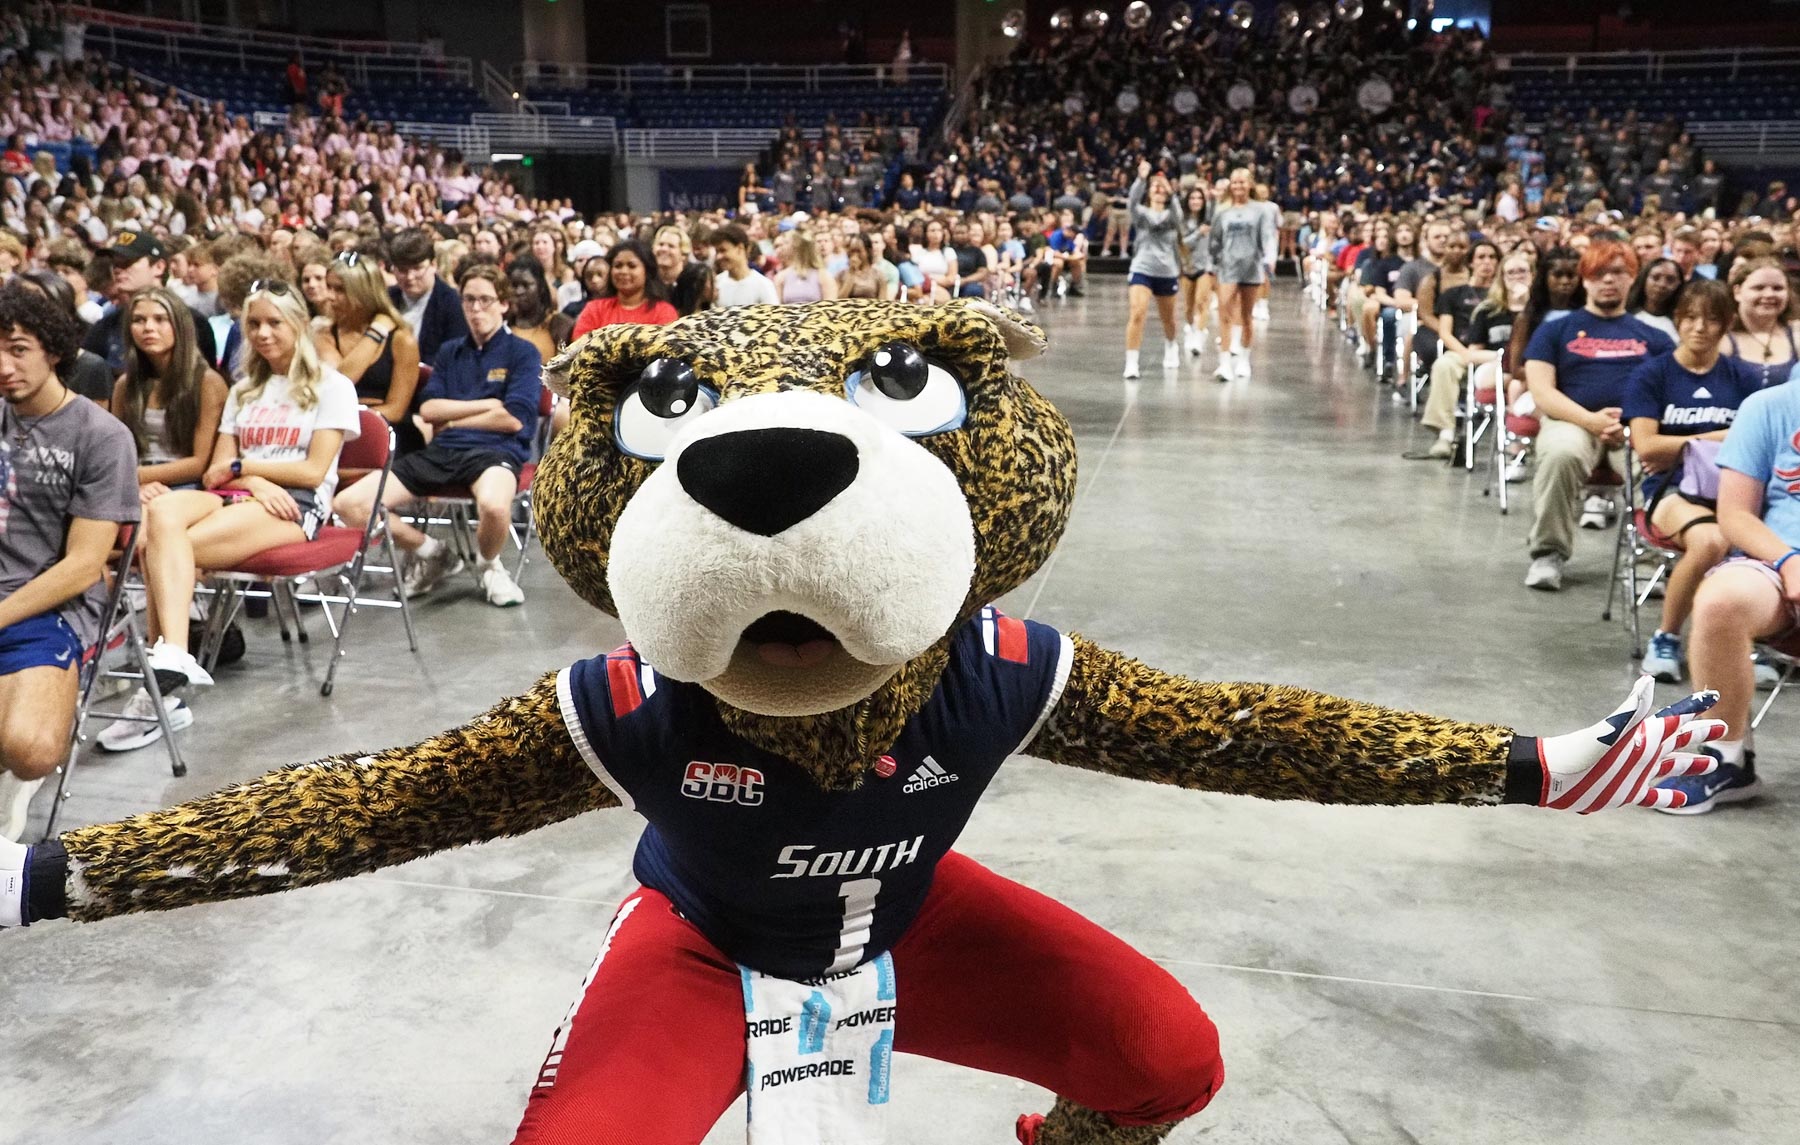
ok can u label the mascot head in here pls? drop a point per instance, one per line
(796, 506)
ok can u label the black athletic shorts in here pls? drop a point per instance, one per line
(436, 468)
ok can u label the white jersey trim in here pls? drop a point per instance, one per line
(1065, 662)
(565, 700)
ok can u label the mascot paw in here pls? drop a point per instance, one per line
(1621, 759)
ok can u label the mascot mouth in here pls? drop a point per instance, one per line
(784, 639)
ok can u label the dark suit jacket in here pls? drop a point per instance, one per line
(443, 318)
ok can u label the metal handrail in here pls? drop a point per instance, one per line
(724, 142)
(286, 40)
(740, 77)
(1727, 63)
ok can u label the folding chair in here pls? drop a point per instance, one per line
(1515, 429)
(1637, 541)
(337, 553)
(1481, 405)
(119, 629)
(458, 505)
(1784, 653)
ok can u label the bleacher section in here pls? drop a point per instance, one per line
(725, 108)
(1713, 86)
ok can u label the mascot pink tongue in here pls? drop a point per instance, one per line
(801, 515)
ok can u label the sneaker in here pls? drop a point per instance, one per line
(1663, 658)
(1131, 364)
(1546, 572)
(1730, 783)
(1028, 1127)
(1196, 345)
(1062, 287)
(424, 573)
(1516, 470)
(1025, 306)
(501, 591)
(1767, 675)
(1171, 355)
(169, 661)
(1442, 449)
(1594, 512)
(15, 804)
(129, 735)
(1241, 365)
(1260, 312)
(1223, 373)
(1077, 292)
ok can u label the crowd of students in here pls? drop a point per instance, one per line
(1658, 351)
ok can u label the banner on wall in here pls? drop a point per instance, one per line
(697, 188)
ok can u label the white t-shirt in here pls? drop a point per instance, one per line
(275, 428)
(751, 289)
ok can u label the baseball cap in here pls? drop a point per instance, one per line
(584, 250)
(1546, 223)
(129, 246)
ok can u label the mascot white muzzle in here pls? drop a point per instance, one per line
(791, 552)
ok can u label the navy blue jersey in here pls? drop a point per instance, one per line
(1684, 403)
(782, 876)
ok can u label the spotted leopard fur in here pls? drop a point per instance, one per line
(514, 769)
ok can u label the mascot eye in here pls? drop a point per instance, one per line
(660, 404)
(908, 392)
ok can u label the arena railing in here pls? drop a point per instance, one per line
(730, 77)
(1717, 63)
(735, 143)
(178, 42)
(1748, 141)
(469, 138)
(582, 134)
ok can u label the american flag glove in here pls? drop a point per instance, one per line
(1621, 759)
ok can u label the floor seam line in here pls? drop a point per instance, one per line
(1044, 580)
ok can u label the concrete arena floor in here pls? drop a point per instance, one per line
(1378, 975)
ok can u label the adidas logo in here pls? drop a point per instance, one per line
(1703, 392)
(930, 774)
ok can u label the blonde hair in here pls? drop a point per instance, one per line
(1497, 300)
(364, 287)
(806, 250)
(305, 373)
(686, 242)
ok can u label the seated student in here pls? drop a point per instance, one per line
(87, 374)
(171, 401)
(68, 486)
(482, 403)
(738, 283)
(269, 480)
(1576, 367)
(365, 339)
(1691, 395)
(1763, 333)
(1652, 297)
(1754, 595)
(634, 294)
(1066, 253)
(1467, 316)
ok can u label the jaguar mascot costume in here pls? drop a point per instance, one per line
(801, 515)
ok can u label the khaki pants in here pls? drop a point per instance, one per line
(1448, 374)
(1565, 455)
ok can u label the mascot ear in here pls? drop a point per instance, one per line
(1023, 339)
(556, 370)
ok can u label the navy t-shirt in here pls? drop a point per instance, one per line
(1686, 403)
(1593, 355)
(1382, 272)
(782, 876)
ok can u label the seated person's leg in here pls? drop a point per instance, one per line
(1447, 376)
(1737, 604)
(356, 503)
(168, 559)
(40, 659)
(494, 490)
(1696, 528)
(1566, 454)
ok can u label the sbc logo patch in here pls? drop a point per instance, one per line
(723, 783)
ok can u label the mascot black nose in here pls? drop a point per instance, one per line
(766, 481)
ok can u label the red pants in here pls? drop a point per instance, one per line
(991, 975)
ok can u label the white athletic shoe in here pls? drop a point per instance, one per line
(1241, 365)
(165, 657)
(502, 591)
(15, 804)
(1223, 372)
(1260, 312)
(1171, 355)
(129, 735)
(1546, 573)
(1131, 364)
(1196, 345)
(1062, 287)
(1594, 512)
(1516, 470)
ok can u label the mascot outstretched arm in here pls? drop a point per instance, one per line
(800, 514)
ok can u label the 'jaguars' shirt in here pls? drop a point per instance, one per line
(1685, 403)
(782, 876)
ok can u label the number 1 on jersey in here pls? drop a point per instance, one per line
(859, 919)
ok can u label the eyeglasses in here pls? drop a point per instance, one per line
(480, 301)
(269, 286)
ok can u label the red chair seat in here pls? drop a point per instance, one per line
(332, 547)
(1651, 537)
(1484, 395)
(1521, 426)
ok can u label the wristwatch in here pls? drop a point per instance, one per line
(237, 467)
